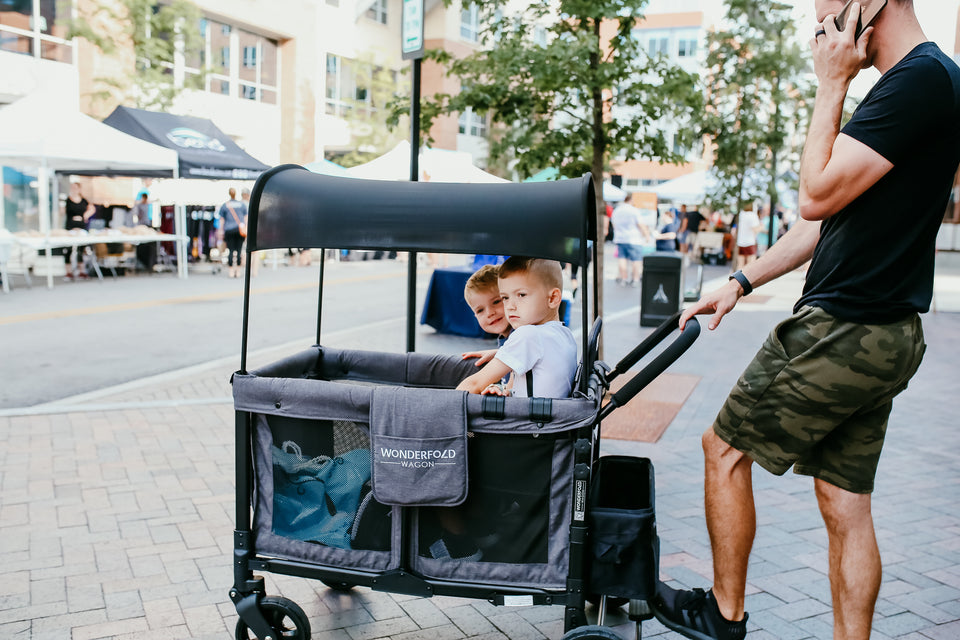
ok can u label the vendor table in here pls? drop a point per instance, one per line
(444, 308)
(48, 243)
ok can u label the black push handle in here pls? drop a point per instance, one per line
(659, 364)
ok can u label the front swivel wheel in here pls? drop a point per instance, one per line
(592, 632)
(285, 617)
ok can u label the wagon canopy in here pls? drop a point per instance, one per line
(292, 207)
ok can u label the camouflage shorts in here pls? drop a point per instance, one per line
(817, 396)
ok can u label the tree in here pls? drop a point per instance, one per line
(582, 95)
(158, 33)
(368, 111)
(757, 97)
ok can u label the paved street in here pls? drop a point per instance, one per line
(116, 470)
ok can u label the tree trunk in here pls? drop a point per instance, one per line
(596, 169)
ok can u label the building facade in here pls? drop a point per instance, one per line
(288, 80)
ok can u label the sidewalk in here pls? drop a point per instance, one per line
(116, 510)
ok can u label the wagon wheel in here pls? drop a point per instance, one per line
(287, 620)
(592, 632)
(339, 585)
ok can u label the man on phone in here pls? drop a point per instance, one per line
(817, 396)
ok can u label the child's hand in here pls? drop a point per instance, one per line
(483, 357)
(495, 389)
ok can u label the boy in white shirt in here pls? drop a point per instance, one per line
(531, 290)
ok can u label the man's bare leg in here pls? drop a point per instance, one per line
(855, 568)
(731, 520)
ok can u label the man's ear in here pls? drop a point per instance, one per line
(554, 298)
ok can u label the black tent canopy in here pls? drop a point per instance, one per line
(205, 152)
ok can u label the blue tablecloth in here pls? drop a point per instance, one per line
(444, 308)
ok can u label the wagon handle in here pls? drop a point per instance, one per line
(659, 364)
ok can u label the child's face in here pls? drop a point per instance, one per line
(527, 300)
(488, 308)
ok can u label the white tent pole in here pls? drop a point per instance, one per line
(43, 208)
(180, 227)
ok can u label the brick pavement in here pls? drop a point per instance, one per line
(116, 513)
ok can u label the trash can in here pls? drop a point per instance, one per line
(661, 287)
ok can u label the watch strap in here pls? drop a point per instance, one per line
(742, 279)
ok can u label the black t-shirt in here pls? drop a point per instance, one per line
(874, 261)
(694, 218)
(75, 211)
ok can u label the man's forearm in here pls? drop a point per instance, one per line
(818, 147)
(792, 250)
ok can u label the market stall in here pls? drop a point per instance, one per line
(204, 153)
(41, 132)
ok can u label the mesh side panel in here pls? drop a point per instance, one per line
(513, 527)
(312, 481)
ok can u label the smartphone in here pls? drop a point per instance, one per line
(869, 9)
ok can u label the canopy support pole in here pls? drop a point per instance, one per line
(414, 176)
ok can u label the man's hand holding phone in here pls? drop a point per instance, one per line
(837, 55)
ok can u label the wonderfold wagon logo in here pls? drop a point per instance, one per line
(417, 458)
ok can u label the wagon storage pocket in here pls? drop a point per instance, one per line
(418, 440)
(623, 530)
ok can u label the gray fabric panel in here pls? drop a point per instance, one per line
(301, 398)
(298, 365)
(421, 422)
(266, 543)
(561, 488)
(321, 399)
(410, 369)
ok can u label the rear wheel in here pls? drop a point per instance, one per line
(286, 619)
(592, 632)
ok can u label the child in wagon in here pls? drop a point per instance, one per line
(530, 293)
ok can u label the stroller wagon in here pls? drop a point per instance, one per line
(362, 468)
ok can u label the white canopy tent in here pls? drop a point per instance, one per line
(38, 131)
(436, 165)
(689, 188)
(692, 188)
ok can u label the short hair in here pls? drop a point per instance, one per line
(483, 279)
(232, 192)
(549, 272)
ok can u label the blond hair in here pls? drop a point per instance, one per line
(484, 279)
(549, 272)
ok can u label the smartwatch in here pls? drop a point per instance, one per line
(742, 279)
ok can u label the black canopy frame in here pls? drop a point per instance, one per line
(293, 207)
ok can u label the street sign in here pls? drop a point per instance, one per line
(412, 31)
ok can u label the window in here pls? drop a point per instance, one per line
(252, 74)
(540, 35)
(658, 45)
(36, 28)
(250, 57)
(687, 43)
(347, 87)
(378, 11)
(672, 43)
(472, 124)
(470, 22)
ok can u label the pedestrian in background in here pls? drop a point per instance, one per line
(233, 216)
